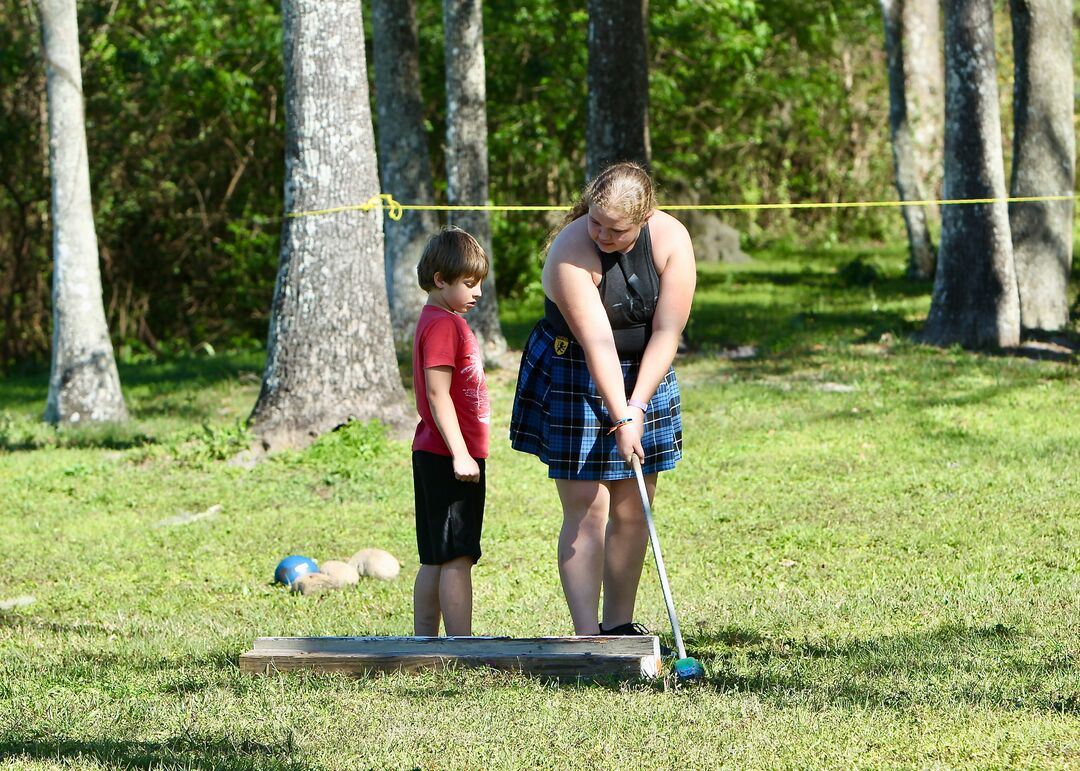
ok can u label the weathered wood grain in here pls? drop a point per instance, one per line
(561, 657)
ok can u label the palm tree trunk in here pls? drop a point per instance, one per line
(467, 152)
(404, 160)
(83, 382)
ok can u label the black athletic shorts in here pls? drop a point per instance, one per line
(449, 512)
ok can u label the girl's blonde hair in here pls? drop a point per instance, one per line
(625, 188)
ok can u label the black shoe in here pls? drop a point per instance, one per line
(632, 629)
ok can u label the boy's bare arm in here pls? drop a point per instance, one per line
(437, 383)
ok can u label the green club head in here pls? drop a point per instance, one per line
(689, 670)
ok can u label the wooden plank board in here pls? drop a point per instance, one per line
(609, 645)
(555, 665)
(598, 656)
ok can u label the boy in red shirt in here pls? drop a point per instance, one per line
(451, 441)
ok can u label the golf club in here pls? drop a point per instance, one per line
(687, 669)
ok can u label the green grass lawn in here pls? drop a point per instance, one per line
(874, 547)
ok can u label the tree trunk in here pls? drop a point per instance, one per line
(925, 73)
(1044, 155)
(467, 152)
(913, 49)
(404, 160)
(83, 381)
(330, 356)
(975, 301)
(618, 80)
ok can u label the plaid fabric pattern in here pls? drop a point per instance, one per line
(559, 415)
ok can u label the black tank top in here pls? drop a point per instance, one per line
(629, 288)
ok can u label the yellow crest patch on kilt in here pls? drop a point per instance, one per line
(561, 344)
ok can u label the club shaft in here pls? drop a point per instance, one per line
(655, 541)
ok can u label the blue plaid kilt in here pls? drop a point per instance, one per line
(559, 416)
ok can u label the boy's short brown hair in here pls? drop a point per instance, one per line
(453, 254)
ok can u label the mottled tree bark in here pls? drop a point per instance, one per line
(618, 79)
(975, 301)
(467, 152)
(330, 356)
(404, 159)
(83, 382)
(913, 49)
(1044, 158)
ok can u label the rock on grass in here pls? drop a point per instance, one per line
(343, 572)
(314, 583)
(376, 563)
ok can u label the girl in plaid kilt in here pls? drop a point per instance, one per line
(596, 384)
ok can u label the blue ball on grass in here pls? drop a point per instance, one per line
(290, 569)
(688, 670)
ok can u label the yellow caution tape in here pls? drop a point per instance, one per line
(868, 204)
(383, 200)
(394, 208)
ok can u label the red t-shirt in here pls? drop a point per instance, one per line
(443, 339)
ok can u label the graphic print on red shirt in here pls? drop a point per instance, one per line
(443, 339)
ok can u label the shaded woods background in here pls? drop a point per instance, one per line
(777, 101)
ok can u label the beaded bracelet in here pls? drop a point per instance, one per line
(619, 424)
(640, 405)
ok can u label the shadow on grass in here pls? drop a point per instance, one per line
(101, 437)
(193, 370)
(1062, 347)
(171, 408)
(992, 666)
(729, 324)
(816, 299)
(1047, 346)
(106, 658)
(989, 666)
(153, 389)
(195, 751)
(21, 390)
(20, 622)
(885, 288)
(217, 670)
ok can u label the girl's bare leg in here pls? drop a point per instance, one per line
(581, 549)
(624, 550)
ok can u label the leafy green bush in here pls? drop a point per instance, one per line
(749, 102)
(211, 442)
(859, 272)
(343, 454)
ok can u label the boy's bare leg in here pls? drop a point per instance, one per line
(426, 601)
(581, 549)
(455, 596)
(624, 553)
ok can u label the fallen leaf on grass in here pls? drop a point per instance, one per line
(187, 517)
(16, 602)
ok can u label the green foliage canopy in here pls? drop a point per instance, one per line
(749, 101)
